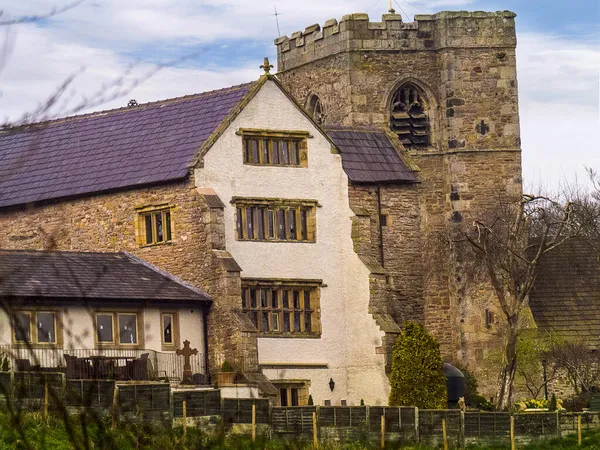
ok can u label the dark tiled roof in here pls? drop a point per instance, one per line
(566, 295)
(149, 143)
(77, 275)
(369, 156)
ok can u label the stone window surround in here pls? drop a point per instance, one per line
(175, 330)
(270, 136)
(431, 110)
(140, 231)
(312, 286)
(241, 203)
(303, 387)
(33, 343)
(115, 344)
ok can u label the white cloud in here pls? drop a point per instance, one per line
(558, 97)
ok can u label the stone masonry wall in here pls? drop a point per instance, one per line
(402, 244)
(106, 223)
(465, 64)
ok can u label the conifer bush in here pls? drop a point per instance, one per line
(417, 376)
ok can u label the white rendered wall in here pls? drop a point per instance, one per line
(78, 327)
(349, 333)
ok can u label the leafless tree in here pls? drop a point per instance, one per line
(581, 364)
(503, 248)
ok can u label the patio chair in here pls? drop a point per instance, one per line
(76, 368)
(139, 367)
(22, 365)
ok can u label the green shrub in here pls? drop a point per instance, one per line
(310, 400)
(226, 367)
(553, 405)
(417, 377)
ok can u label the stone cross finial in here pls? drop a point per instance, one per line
(266, 66)
(187, 352)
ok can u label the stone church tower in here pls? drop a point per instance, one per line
(446, 86)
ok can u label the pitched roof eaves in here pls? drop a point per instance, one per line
(127, 187)
(233, 113)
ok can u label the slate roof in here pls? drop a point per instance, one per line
(369, 156)
(566, 296)
(83, 275)
(108, 150)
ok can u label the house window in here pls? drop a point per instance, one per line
(104, 327)
(282, 310)
(127, 328)
(409, 118)
(274, 148)
(292, 393)
(170, 330)
(35, 327)
(117, 328)
(154, 226)
(489, 318)
(275, 220)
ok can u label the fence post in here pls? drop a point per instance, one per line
(462, 429)
(314, 429)
(579, 430)
(512, 432)
(417, 437)
(114, 408)
(558, 430)
(444, 434)
(383, 430)
(253, 422)
(184, 420)
(46, 401)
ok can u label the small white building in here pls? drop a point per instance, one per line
(98, 315)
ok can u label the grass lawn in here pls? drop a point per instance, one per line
(30, 431)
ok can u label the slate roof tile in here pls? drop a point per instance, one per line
(83, 275)
(150, 143)
(566, 296)
(369, 156)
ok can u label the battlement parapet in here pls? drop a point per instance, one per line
(428, 32)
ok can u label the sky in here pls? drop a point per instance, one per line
(154, 49)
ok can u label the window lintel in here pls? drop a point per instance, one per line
(261, 132)
(153, 207)
(274, 201)
(286, 282)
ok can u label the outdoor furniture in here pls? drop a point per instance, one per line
(107, 367)
(22, 365)
(77, 368)
(138, 368)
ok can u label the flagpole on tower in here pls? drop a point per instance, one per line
(390, 9)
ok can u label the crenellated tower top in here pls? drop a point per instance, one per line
(428, 32)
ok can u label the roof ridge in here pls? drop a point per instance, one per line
(103, 112)
(368, 129)
(61, 252)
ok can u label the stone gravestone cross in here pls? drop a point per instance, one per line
(187, 352)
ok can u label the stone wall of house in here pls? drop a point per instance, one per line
(465, 64)
(395, 249)
(196, 254)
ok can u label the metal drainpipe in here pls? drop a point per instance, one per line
(380, 226)
(205, 322)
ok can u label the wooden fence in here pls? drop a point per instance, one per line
(158, 402)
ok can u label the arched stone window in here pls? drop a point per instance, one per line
(409, 117)
(315, 109)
